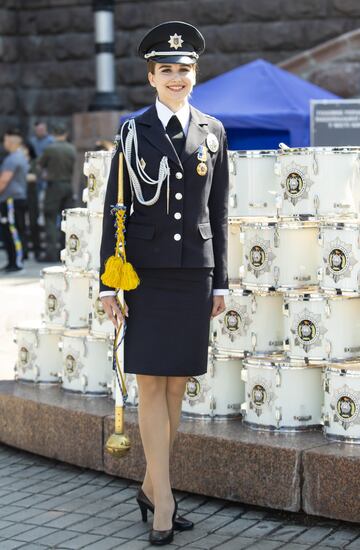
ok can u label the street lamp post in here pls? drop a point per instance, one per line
(105, 98)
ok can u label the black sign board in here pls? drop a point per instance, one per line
(335, 122)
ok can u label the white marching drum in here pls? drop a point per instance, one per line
(218, 393)
(254, 188)
(322, 328)
(99, 322)
(280, 255)
(280, 396)
(96, 168)
(66, 297)
(235, 250)
(38, 359)
(251, 323)
(83, 231)
(340, 245)
(341, 411)
(320, 181)
(86, 362)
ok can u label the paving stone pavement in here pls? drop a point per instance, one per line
(49, 504)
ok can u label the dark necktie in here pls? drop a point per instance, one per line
(176, 133)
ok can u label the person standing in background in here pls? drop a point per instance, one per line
(57, 161)
(33, 230)
(41, 138)
(13, 173)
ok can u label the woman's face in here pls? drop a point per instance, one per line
(173, 82)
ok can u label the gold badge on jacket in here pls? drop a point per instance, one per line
(201, 169)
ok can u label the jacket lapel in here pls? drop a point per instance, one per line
(196, 134)
(153, 131)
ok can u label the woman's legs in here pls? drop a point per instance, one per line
(159, 415)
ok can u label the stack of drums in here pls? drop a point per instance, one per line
(75, 332)
(294, 269)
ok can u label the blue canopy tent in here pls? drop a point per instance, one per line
(260, 105)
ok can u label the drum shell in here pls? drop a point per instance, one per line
(96, 168)
(340, 241)
(290, 396)
(36, 344)
(333, 323)
(254, 187)
(86, 363)
(244, 326)
(66, 297)
(218, 394)
(235, 251)
(280, 255)
(83, 230)
(331, 181)
(342, 387)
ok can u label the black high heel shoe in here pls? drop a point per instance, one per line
(160, 538)
(145, 504)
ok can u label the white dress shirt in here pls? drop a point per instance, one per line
(165, 114)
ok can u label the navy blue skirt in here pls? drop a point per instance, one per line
(169, 319)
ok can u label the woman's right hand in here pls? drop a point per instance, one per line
(113, 311)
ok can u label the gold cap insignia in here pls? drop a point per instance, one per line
(176, 41)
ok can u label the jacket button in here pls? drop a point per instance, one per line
(179, 175)
(177, 215)
(177, 236)
(178, 196)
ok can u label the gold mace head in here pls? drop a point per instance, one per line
(118, 444)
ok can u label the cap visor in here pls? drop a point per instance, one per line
(181, 59)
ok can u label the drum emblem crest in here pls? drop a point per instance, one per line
(99, 311)
(307, 330)
(346, 405)
(51, 303)
(26, 357)
(73, 243)
(296, 183)
(259, 256)
(76, 244)
(260, 395)
(196, 390)
(72, 366)
(235, 321)
(92, 186)
(339, 260)
(54, 303)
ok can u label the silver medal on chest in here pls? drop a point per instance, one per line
(212, 142)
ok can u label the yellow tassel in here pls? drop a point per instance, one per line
(112, 275)
(129, 277)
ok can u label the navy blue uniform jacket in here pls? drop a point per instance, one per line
(198, 205)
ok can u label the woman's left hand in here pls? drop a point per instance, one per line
(218, 305)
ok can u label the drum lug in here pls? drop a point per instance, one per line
(87, 257)
(211, 367)
(85, 347)
(84, 382)
(276, 274)
(244, 375)
(320, 237)
(110, 354)
(328, 348)
(66, 316)
(15, 340)
(325, 419)
(327, 309)
(63, 225)
(276, 237)
(36, 339)
(277, 168)
(303, 418)
(56, 374)
(286, 344)
(253, 304)
(212, 405)
(233, 200)
(244, 408)
(85, 195)
(315, 165)
(359, 239)
(36, 373)
(278, 415)
(285, 309)
(242, 236)
(63, 255)
(241, 272)
(278, 203)
(90, 291)
(60, 344)
(358, 280)
(316, 203)
(277, 378)
(320, 274)
(253, 340)
(326, 383)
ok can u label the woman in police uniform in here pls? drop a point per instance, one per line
(175, 192)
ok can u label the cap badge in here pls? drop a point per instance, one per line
(176, 41)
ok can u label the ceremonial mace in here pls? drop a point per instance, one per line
(119, 274)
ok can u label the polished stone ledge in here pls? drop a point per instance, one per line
(293, 472)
